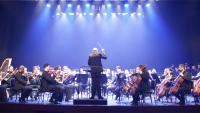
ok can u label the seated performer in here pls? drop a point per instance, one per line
(21, 84)
(185, 86)
(143, 85)
(119, 82)
(48, 83)
(95, 64)
(162, 89)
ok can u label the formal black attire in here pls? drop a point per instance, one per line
(22, 86)
(142, 88)
(49, 84)
(96, 68)
(185, 87)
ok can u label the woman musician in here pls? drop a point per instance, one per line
(163, 88)
(182, 84)
(143, 86)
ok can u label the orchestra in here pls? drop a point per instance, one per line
(62, 82)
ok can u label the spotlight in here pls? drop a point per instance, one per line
(139, 14)
(57, 14)
(98, 14)
(148, 5)
(132, 14)
(71, 14)
(48, 5)
(126, 5)
(84, 13)
(87, 5)
(69, 5)
(124, 14)
(91, 14)
(105, 14)
(109, 5)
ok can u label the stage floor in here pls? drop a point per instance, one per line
(113, 106)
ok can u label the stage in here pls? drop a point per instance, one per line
(61, 108)
(113, 106)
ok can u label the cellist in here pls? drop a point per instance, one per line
(185, 86)
(143, 85)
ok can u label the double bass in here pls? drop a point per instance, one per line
(177, 83)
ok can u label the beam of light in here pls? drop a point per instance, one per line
(105, 14)
(109, 5)
(69, 5)
(71, 14)
(48, 5)
(91, 14)
(126, 5)
(87, 5)
(139, 14)
(124, 14)
(148, 5)
(58, 14)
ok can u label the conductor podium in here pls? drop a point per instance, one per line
(90, 101)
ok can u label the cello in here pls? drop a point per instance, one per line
(196, 89)
(177, 83)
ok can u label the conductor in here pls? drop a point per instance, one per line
(95, 64)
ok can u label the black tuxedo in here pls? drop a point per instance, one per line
(21, 85)
(49, 84)
(96, 68)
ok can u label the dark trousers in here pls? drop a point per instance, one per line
(57, 91)
(96, 88)
(3, 94)
(181, 95)
(25, 92)
(136, 96)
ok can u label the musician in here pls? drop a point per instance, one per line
(144, 84)
(21, 84)
(35, 77)
(186, 86)
(154, 78)
(119, 82)
(162, 89)
(8, 80)
(48, 83)
(95, 64)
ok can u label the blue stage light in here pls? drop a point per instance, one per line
(109, 5)
(48, 5)
(87, 5)
(69, 5)
(148, 5)
(126, 5)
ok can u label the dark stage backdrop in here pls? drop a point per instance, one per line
(169, 33)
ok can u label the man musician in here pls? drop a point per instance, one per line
(49, 84)
(21, 84)
(185, 86)
(95, 64)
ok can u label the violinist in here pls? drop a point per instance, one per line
(185, 86)
(144, 84)
(21, 84)
(48, 83)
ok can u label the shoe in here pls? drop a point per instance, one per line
(101, 98)
(134, 103)
(181, 103)
(91, 97)
(22, 100)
